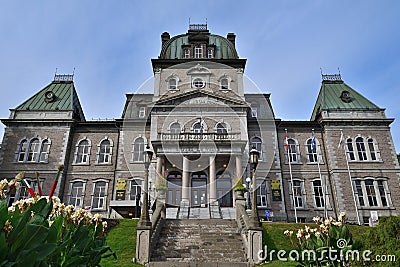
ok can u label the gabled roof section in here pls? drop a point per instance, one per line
(59, 95)
(334, 94)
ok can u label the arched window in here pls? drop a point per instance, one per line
(224, 84)
(173, 84)
(77, 192)
(362, 154)
(22, 150)
(197, 128)
(33, 152)
(44, 151)
(221, 128)
(350, 149)
(82, 152)
(138, 148)
(104, 156)
(175, 128)
(292, 153)
(99, 196)
(372, 192)
(311, 153)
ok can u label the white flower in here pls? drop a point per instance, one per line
(342, 216)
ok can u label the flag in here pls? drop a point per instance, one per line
(287, 141)
(30, 190)
(341, 140)
(312, 141)
(53, 187)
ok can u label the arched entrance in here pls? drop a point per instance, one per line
(199, 189)
(174, 194)
(224, 189)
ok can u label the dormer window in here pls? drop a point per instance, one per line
(224, 84)
(186, 53)
(172, 84)
(210, 53)
(198, 51)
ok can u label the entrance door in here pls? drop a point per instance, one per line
(174, 193)
(199, 189)
(224, 189)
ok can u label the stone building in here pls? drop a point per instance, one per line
(201, 124)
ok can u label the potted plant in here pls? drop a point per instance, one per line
(239, 188)
(161, 186)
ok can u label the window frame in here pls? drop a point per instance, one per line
(138, 149)
(139, 184)
(80, 196)
(371, 196)
(263, 193)
(362, 149)
(297, 188)
(292, 151)
(100, 197)
(258, 143)
(22, 150)
(44, 153)
(198, 51)
(106, 154)
(83, 155)
(33, 150)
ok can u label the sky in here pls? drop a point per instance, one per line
(286, 44)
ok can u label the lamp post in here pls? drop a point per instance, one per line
(248, 181)
(144, 216)
(254, 154)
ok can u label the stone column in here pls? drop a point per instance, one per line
(159, 170)
(185, 179)
(213, 183)
(238, 161)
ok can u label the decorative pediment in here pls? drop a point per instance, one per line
(198, 98)
(199, 70)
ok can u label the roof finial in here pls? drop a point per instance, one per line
(73, 72)
(321, 70)
(338, 70)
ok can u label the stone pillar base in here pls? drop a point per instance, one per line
(143, 235)
(254, 238)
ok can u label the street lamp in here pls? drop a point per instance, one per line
(248, 181)
(144, 217)
(254, 154)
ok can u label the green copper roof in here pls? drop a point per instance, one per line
(224, 49)
(64, 98)
(336, 95)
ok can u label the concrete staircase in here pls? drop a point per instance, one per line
(198, 243)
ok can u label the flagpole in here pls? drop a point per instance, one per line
(351, 182)
(291, 176)
(320, 176)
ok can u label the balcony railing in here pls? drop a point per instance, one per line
(198, 136)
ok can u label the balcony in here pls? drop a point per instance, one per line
(198, 136)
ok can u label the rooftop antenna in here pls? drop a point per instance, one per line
(189, 20)
(338, 70)
(73, 71)
(321, 70)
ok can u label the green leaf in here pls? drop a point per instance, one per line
(3, 213)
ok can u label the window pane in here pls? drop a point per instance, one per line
(371, 194)
(105, 152)
(44, 151)
(382, 193)
(22, 151)
(312, 155)
(138, 148)
(371, 148)
(135, 189)
(350, 149)
(99, 195)
(359, 193)
(33, 154)
(362, 155)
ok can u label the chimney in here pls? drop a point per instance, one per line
(164, 38)
(231, 37)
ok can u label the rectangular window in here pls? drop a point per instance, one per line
(210, 53)
(142, 112)
(186, 53)
(76, 197)
(382, 193)
(359, 193)
(371, 194)
(99, 195)
(198, 51)
(318, 194)
(262, 195)
(298, 194)
(135, 190)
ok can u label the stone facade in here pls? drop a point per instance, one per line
(201, 124)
